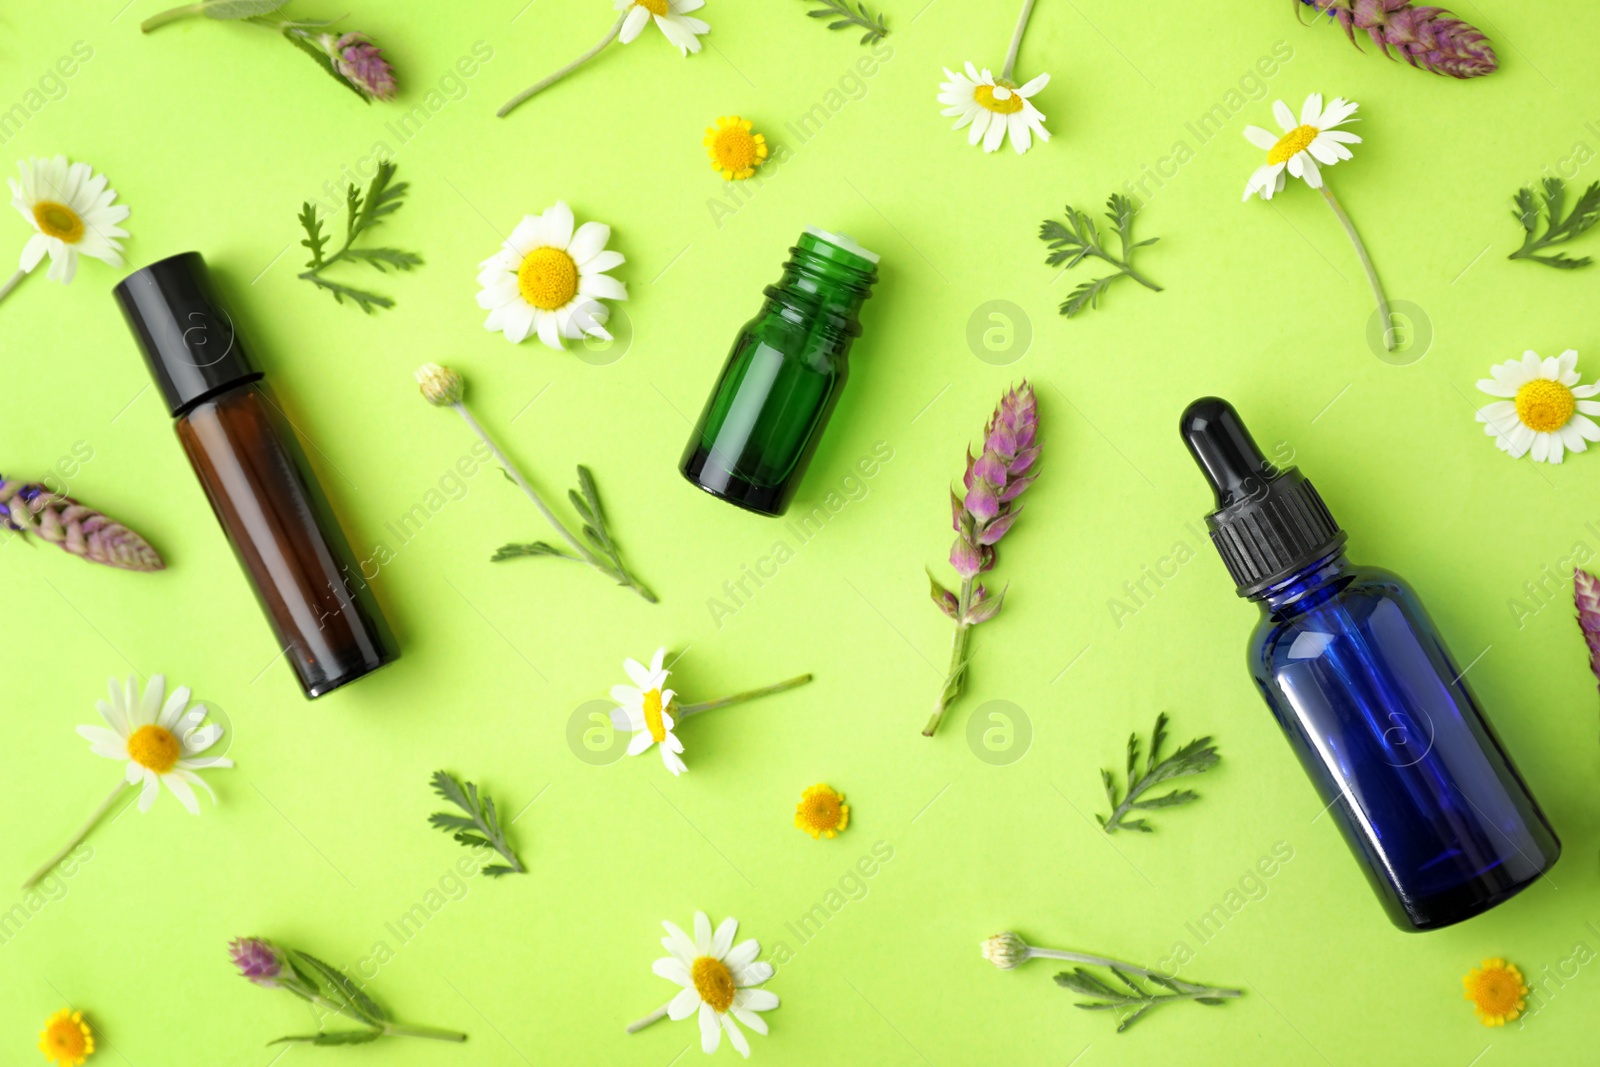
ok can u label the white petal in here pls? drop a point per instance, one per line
(637, 20)
(710, 1029)
(1262, 139)
(1311, 111)
(673, 970)
(1285, 117)
(736, 1036)
(756, 999)
(684, 1004)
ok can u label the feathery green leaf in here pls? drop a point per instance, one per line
(1078, 238)
(481, 817)
(364, 212)
(1561, 225)
(1196, 757)
(844, 18)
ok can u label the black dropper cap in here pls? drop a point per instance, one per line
(188, 338)
(1269, 523)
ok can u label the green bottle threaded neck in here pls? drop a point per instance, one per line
(827, 277)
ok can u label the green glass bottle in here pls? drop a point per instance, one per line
(787, 368)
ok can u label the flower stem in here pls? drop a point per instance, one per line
(1366, 264)
(686, 710)
(432, 1033)
(655, 1016)
(77, 838)
(956, 678)
(11, 283)
(539, 86)
(516, 475)
(1016, 40)
(155, 22)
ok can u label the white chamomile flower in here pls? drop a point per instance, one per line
(550, 280)
(718, 979)
(72, 212)
(1302, 146)
(645, 709)
(992, 108)
(671, 15)
(1545, 411)
(161, 742)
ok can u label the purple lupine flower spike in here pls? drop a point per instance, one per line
(33, 508)
(257, 959)
(982, 515)
(1586, 593)
(361, 63)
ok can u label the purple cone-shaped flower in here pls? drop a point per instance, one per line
(1426, 37)
(257, 959)
(33, 508)
(1586, 593)
(361, 63)
(994, 480)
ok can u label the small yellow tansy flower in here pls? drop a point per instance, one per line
(1497, 992)
(822, 812)
(66, 1039)
(735, 151)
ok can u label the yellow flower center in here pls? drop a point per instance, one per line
(1545, 406)
(1296, 140)
(655, 7)
(1497, 991)
(736, 150)
(548, 278)
(714, 982)
(652, 716)
(66, 1039)
(58, 220)
(822, 811)
(1010, 104)
(154, 747)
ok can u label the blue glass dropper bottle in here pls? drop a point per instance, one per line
(1370, 699)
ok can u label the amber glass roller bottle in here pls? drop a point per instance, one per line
(244, 451)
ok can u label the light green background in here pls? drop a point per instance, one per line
(215, 134)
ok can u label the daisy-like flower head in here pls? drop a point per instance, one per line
(548, 279)
(1497, 992)
(72, 212)
(644, 709)
(671, 15)
(1302, 145)
(735, 151)
(66, 1039)
(161, 742)
(1546, 410)
(822, 812)
(718, 979)
(993, 108)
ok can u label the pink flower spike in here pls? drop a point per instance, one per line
(1586, 594)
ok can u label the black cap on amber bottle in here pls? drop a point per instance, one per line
(189, 340)
(1269, 523)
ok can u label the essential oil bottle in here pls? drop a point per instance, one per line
(244, 451)
(788, 366)
(1372, 702)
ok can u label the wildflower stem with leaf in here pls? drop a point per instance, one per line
(443, 387)
(1131, 1000)
(1561, 225)
(1366, 265)
(274, 966)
